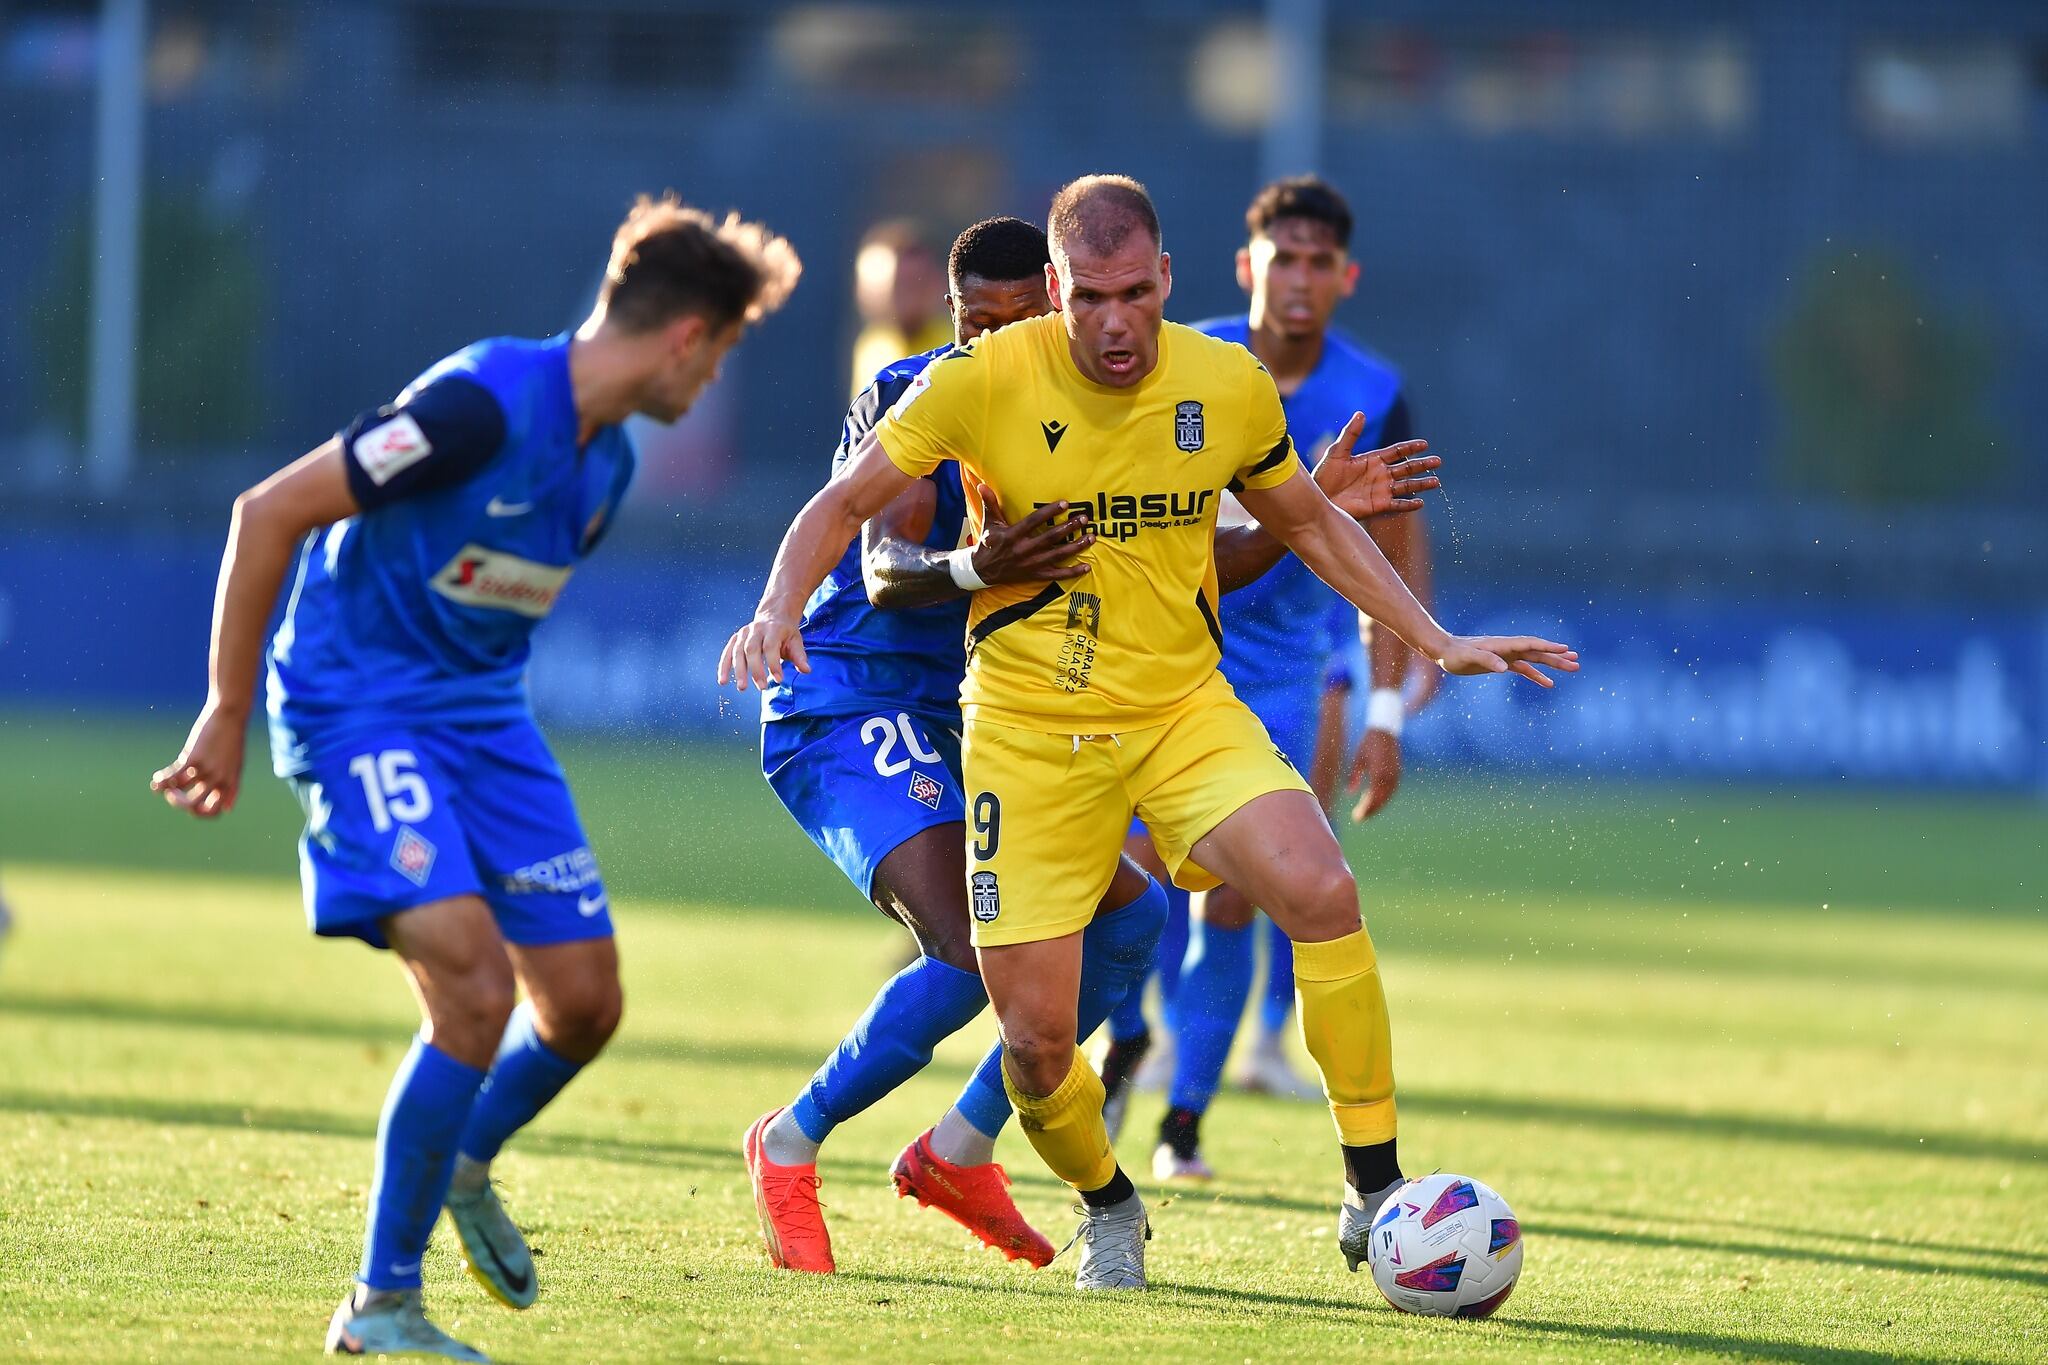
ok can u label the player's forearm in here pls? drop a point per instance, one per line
(1244, 554)
(812, 545)
(900, 573)
(1386, 655)
(252, 569)
(1344, 556)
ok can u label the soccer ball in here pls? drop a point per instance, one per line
(1446, 1246)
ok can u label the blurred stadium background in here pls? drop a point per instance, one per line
(1729, 318)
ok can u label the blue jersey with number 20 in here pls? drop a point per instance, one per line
(865, 658)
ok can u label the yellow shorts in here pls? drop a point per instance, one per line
(1047, 813)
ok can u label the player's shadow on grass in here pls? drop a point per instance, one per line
(1810, 1255)
(1910, 1265)
(1350, 1311)
(1215, 1297)
(373, 1033)
(663, 1153)
(2031, 1258)
(802, 1058)
(1713, 1343)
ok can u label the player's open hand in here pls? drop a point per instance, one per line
(1035, 550)
(1391, 479)
(1469, 655)
(757, 650)
(207, 773)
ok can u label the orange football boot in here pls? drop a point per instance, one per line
(792, 1222)
(975, 1197)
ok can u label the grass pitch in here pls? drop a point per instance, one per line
(1763, 1076)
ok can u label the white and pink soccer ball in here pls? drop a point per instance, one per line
(1446, 1246)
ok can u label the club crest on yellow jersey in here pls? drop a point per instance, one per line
(1076, 658)
(1187, 426)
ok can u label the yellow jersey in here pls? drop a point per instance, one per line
(1122, 646)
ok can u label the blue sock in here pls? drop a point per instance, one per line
(1127, 1020)
(1116, 951)
(918, 1007)
(526, 1075)
(1213, 991)
(430, 1100)
(1173, 952)
(1278, 1005)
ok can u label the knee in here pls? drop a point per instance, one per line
(954, 947)
(1328, 904)
(1038, 1060)
(468, 1011)
(578, 1025)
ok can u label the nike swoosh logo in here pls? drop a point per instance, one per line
(586, 906)
(519, 1284)
(402, 1270)
(498, 507)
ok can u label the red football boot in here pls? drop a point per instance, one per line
(975, 1197)
(792, 1223)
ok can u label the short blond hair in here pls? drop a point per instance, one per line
(1100, 212)
(669, 259)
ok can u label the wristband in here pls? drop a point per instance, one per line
(960, 564)
(1385, 710)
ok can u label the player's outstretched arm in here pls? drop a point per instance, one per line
(863, 486)
(268, 523)
(1344, 556)
(902, 571)
(1388, 482)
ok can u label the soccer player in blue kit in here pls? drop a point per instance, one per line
(432, 536)
(1281, 636)
(862, 747)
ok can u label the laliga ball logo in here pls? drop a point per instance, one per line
(1446, 1246)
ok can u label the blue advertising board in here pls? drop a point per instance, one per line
(1762, 691)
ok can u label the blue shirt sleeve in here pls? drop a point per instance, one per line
(436, 436)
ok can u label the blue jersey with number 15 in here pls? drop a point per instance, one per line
(477, 503)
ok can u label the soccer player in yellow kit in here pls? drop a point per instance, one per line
(1094, 697)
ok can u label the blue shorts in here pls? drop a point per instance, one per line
(400, 817)
(1291, 715)
(862, 785)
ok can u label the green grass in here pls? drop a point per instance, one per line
(1764, 1076)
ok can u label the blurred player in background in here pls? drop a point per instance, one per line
(899, 290)
(1097, 696)
(863, 751)
(1281, 637)
(432, 536)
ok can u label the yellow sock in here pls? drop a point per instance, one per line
(1065, 1127)
(1344, 1022)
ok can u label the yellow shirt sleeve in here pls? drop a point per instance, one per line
(1268, 458)
(939, 417)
